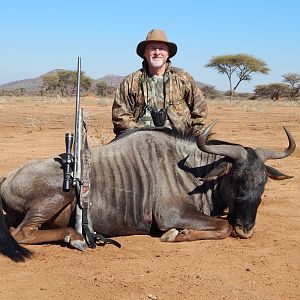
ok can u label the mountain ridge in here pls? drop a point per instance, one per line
(34, 84)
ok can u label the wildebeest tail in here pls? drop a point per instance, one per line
(8, 245)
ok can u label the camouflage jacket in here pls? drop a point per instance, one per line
(187, 107)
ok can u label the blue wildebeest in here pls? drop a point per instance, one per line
(146, 181)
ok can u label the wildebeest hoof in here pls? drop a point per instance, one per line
(184, 232)
(67, 238)
(170, 235)
(80, 245)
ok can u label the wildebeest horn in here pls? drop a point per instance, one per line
(235, 152)
(266, 154)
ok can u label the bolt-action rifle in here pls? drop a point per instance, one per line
(77, 168)
(77, 173)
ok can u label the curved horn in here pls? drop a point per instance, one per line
(206, 132)
(266, 154)
(235, 152)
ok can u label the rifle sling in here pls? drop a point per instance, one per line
(85, 193)
(89, 237)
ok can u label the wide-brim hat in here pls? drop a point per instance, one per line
(156, 35)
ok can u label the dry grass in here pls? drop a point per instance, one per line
(104, 101)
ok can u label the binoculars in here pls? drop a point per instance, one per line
(159, 117)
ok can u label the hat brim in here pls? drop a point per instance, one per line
(142, 45)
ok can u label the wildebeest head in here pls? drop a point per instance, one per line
(245, 176)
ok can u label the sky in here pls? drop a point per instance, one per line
(39, 36)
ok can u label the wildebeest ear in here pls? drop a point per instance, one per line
(219, 170)
(277, 175)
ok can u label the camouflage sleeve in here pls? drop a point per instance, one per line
(196, 103)
(123, 108)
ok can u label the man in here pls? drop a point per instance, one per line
(158, 94)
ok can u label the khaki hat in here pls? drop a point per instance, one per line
(156, 35)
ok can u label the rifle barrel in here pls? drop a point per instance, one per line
(78, 121)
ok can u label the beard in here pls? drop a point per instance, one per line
(157, 62)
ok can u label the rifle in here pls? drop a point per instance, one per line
(77, 168)
(77, 173)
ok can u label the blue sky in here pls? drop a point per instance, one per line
(39, 36)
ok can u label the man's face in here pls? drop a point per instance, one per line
(156, 54)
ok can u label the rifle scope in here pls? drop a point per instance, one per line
(68, 162)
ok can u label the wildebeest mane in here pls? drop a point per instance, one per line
(174, 132)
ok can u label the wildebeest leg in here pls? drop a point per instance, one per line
(30, 234)
(28, 231)
(194, 225)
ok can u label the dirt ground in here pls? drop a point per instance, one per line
(267, 266)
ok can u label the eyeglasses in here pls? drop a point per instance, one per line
(160, 48)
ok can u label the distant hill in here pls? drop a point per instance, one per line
(34, 84)
(112, 80)
(30, 85)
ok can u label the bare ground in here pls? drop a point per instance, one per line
(267, 266)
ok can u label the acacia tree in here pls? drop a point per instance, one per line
(85, 82)
(273, 91)
(242, 65)
(66, 82)
(101, 88)
(50, 83)
(293, 79)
